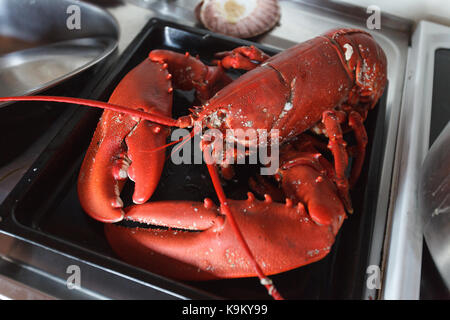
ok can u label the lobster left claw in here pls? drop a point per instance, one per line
(195, 241)
(121, 144)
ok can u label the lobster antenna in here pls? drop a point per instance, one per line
(168, 144)
(99, 104)
(265, 281)
(186, 138)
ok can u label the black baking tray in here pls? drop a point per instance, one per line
(44, 206)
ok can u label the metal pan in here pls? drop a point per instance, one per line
(44, 208)
(46, 42)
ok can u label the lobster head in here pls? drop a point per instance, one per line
(365, 61)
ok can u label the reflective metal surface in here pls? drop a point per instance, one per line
(434, 198)
(43, 42)
(405, 226)
(11, 289)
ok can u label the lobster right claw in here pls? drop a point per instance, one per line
(194, 241)
(121, 144)
(317, 193)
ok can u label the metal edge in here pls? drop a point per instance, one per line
(403, 248)
(14, 290)
(357, 12)
(32, 268)
(110, 48)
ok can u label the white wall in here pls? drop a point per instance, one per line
(432, 10)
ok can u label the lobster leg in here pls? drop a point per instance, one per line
(245, 58)
(304, 177)
(190, 73)
(355, 121)
(262, 186)
(337, 145)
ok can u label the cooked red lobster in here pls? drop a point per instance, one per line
(324, 86)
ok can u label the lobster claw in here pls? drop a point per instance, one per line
(194, 241)
(121, 144)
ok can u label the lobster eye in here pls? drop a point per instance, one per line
(348, 51)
